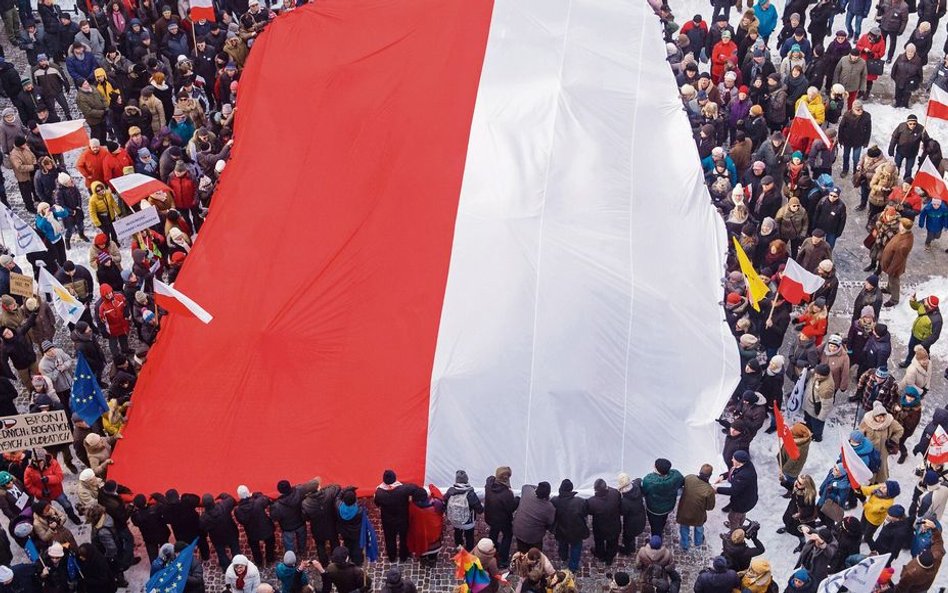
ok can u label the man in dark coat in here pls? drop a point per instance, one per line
(896, 534)
(633, 512)
(181, 514)
(288, 513)
(739, 437)
(854, 133)
(605, 508)
(391, 497)
(150, 523)
(743, 488)
(570, 528)
(342, 573)
(717, 579)
(218, 523)
(251, 512)
(905, 143)
(500, 502)
(319, 508)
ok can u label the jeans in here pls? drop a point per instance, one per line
(501, 537)
(63, 501)
(892, 42)
(684, 531)
(221, 548)
(856, 152)
(909, 162)
(831, 239)
(295, 541)
(911, 350)
(570, 553)
(855, 30)
(815, 425)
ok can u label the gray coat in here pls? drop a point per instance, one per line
(852, 75)
(94, 41)
(534, 516)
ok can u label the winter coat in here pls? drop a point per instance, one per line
(839, 367)
(102, 206)
(112, 315)
(907, 140)
(392, 502)
(251, 577)
(792, 225)
(151, 523)
(917, 579)
(499, 504)
(571, 511)
(852, 75)
(894, 16)
(23, 162)
(348, 578)
(855, 130)
(743, 488)
(92, 106)
(319, 509)
(907, 72)
(917, 376)
(181, 515)
(875, 508)
(287, 511)
(49, 489)
(794, 467)
(90, 349)
(811, 254)
(716, 580)
(217, 520)
(605, 508)
(927, 326)
(739, 556)
(895, 254)
(697, 498)
(932, 219)
(646, 556)
(818, 391)
(633, 509)
(534, 516)
(894, 537)
(878, 434)
(817, 561)
(252, 514)
(661, 492)
(473, 502)
(830, 216)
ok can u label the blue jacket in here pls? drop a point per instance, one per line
(835, 489)
(859, 7)
(934, 220)
(707, 163)
(804, 44)
(46, 229)
(768, 19)
(83, 69)
(287, 574)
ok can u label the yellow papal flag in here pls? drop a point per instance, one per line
(756, 288)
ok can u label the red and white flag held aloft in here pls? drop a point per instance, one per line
(176, 301)
(929, 179)
(938, 447)
(797, 283)
(135, 187)
(202, 9)
(937, 103)
(64, 136)
(857, 470)
(804, 129)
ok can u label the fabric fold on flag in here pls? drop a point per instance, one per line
(64, 136)
(173, 577)
(176, 301)
(756, 287)
(797, 283)
(469, 568)
(937, 103)
(859, 578)
(804, 129)
(87, 399)
(795, 399)
(856, 469)
(929, 179)
(68, 307)
(135, 187)
(27, 241)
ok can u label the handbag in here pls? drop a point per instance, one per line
(832, 510)
(869, 241)
(891, 447)
(875, 67)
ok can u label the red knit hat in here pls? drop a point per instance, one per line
(931, 302)
(101, 240)
(733, 298)
(886, 575)
(105, 290)
(742, 89)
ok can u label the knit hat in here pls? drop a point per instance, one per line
(394, 576)
(857, 437)
(623, 481)
(930, 478)
(662, 465)
(882, 372)
(897, 511)
(600, 485)
(719, 563)
(339, 554)
(826, 265)
(566, 486)
(878, 409)
(289, 558)
(460, 477)
(886, 575)
(502, 475)
(835, 339)
(776, 363)
(756, 110)
(655, 542)
(742, 456)
(86, 475)
(140, 297)
(284, 487)
(243, 492)
(931, 302)
(801, 574)
(892, 488)
(55, 550)
(920, 352)
(389, 477)
(738, 536)
(925, 558)
(749, 340)
(799, 430)
(485, 545)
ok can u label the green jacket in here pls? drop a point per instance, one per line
(92, 106)
(661, 492)
(922, 327)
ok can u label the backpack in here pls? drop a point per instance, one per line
(655, 579)
(459, 510)
(875, 460)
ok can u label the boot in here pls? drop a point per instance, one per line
(860, 207)
(869, 267)
(902, 456)
(74, 517)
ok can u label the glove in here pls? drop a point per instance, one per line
(45, 479)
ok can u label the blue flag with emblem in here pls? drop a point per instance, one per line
(368, 541)
(31, 552)
(87, 400)
(174, 576)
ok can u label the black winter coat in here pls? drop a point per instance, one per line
(743, 488)
(500, 502)
(605, 508)
(855, 130)
(252, 514)
(633, 509)
(19, 349)
(393, 505)
(570, 525)
(739, 556)
(830, 216)
(181, 514)
(319, 508)
(150, 522)
(715, 581)
(218, 522)
(287, 509)
(907, 73)
(894, 537)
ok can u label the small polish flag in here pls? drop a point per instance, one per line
(64, 136)
(176, 301)
(202, 9)
(135, 187)
(857, 470)
(938, 447)
(929, 179)
(797, 283)
(938, 103)
(804, 129)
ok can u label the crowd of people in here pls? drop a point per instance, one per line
(158, 90)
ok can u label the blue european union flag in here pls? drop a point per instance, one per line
(173, 577)
(31, 552)
(87, 400)
(368, 541)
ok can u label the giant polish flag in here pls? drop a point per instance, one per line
(460, 260)
(135, 187)
(64, 136)
(938, 103)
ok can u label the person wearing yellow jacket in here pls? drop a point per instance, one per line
(814, 103)
(879, 497)
(103, 209)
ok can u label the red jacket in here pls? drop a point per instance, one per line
(114, 164)
(33, 480)
(183, 190)
(90, 165)
(871, 51)
(112, 315)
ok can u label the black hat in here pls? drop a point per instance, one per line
(284, 487)
(543, 490)
(566, 486)
(823, 369)
(388, 477)
(911, 117)
(662, 465)
(19, 141)
(339, 554)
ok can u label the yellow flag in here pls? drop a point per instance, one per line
(756, 288)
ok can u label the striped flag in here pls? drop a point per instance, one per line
(804, 129)
(202, 10)
(135, 187)
(797, 283)
(176, 301)
(857, 470)
(937, 103)
(929, 179)
(64, 136)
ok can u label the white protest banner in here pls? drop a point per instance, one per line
(795, 400)
(129, 225)
(27, 241)
(29, 431)
(861, 578)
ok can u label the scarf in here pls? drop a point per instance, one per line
(384, 486)
(348, 511)
(118, 20)
(872, 423)
(240, 581)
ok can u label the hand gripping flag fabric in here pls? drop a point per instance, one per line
(469, 254)
(87, 399)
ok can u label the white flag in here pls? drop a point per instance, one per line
(861, 578)
(795, 399)
(67, 306)
(27, 241)
(938, 447)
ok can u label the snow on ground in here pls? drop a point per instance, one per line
(900, 318)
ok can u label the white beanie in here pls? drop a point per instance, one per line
(6, 575)
(219, 166)
(86, 475)
(243, 492)
(63, 178)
